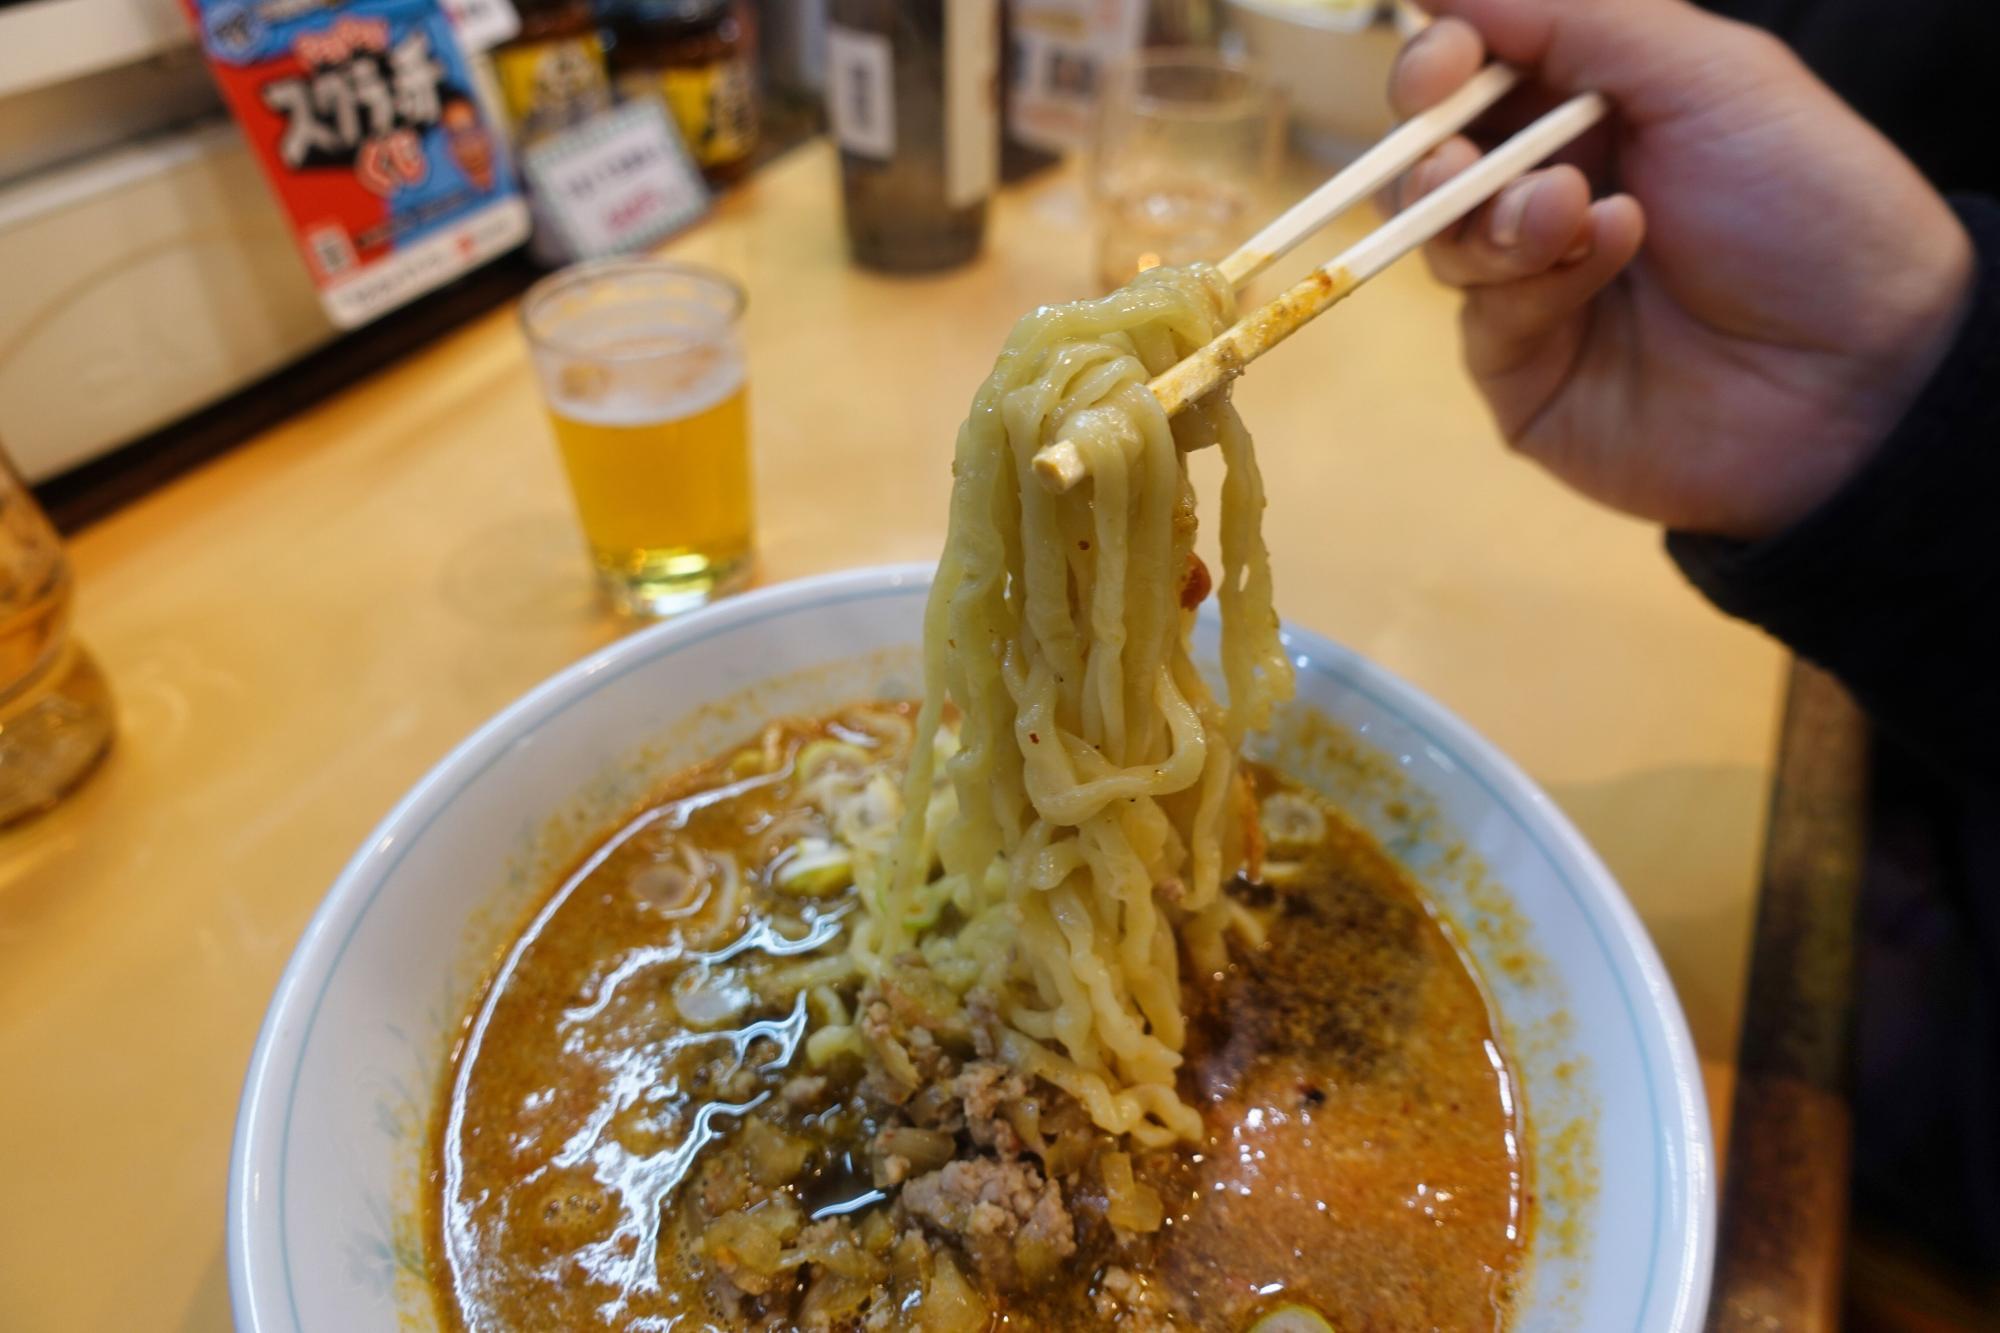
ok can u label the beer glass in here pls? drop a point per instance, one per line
(642, 370)
(1186, 149)
(55, 712)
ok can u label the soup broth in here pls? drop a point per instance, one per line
(638, 1131)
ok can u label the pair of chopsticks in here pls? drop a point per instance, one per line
(1061, 466)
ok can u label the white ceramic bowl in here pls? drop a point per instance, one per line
(1332, 63)
(324, 1223)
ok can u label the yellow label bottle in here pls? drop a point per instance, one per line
(694, 55)
(553, 74)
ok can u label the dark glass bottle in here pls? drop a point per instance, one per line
(912, 94)
(695, 56)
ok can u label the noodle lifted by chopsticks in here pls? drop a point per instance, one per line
(1099, 811)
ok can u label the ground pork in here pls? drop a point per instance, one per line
(985, 1089)
(901, 1058)
(982, 1014)
(804, 1090)
(1004, 1215)
(1127, 1302)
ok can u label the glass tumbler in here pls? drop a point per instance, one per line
(55, 711)
(643, 373)
(1185, 154)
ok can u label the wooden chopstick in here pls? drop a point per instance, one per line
(1061, 466)
(1398, 151)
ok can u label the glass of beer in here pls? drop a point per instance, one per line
(55, 710)
(643, 371)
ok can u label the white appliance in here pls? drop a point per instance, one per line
(145, 269)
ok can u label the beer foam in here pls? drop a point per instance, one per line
(691, 379)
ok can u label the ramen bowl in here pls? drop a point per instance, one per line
(326, 1230)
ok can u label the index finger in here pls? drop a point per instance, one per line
(1658, 59)
(1434, 64)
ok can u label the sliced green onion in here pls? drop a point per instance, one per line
(926, 915)
(1292, 1319)
(815, 755)
(813, 868)
(1291, 821)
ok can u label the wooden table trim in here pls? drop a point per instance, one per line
(1782, 1242)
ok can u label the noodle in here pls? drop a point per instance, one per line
(1098, 810)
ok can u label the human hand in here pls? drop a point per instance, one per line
(1725, 340)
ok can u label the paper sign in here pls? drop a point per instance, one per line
(483, 24)
(619, 182)
(971, 101)
(363, 116)
(861, 91)
(1061, 50)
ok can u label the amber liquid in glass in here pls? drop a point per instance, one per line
(660, 471)
(55, 711)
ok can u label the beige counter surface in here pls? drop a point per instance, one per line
(297, 631)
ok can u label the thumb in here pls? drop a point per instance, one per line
(1657, 59)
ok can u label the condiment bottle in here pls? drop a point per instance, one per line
(552, 75)
(695, 55)
(912, 93)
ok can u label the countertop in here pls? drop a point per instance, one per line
(296, 631)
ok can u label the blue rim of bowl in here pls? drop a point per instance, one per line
(1691, 1205)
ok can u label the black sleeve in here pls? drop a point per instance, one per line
(1894, 583)
(1921, 70)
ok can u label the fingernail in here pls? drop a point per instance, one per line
(1403, 62)
(1508, 211)
(1410, 47)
